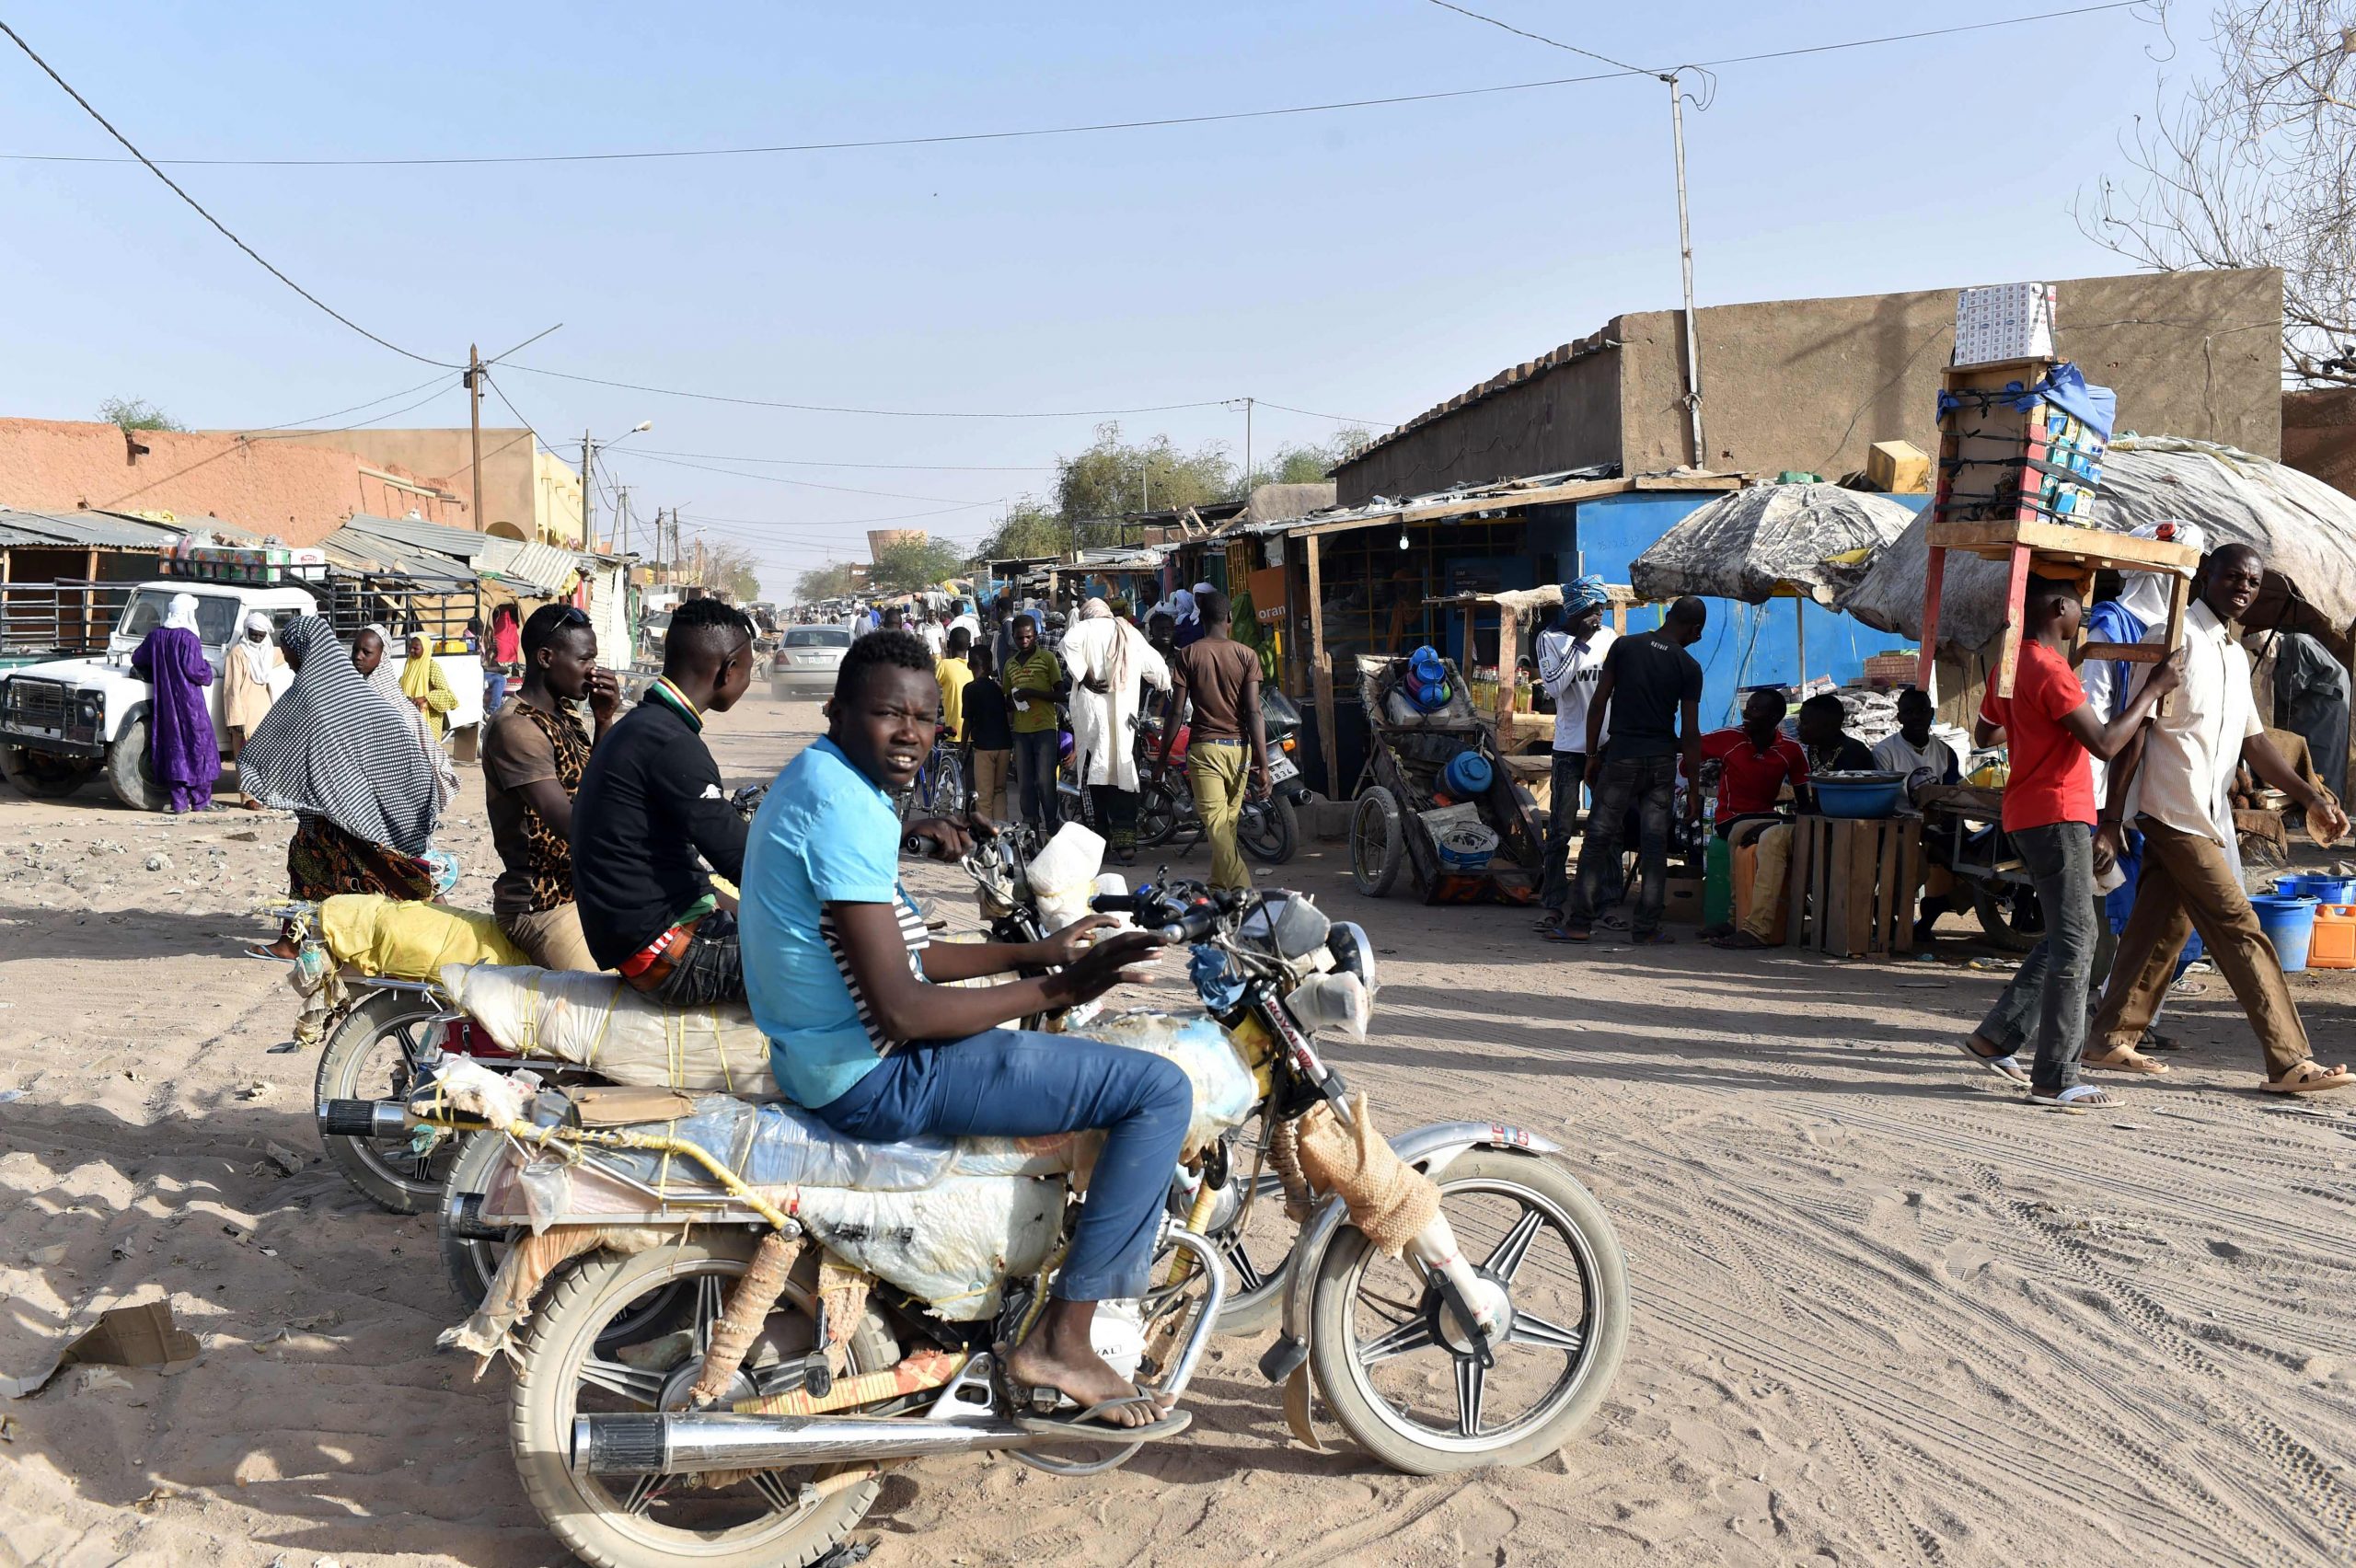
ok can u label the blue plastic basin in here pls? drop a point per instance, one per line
(1857, 798)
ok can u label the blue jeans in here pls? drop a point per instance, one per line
(1037, 754)
(1019, 1084)
(2047, 998)
(1649, 784)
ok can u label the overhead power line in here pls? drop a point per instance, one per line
(822, 463)
(783, 480)
(1539, 38)
(947, 138)
(879, 413)
(259, 260)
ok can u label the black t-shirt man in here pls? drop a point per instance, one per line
(1651, 679)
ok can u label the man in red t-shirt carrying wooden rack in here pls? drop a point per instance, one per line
(2049, 730)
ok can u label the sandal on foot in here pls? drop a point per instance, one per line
(1167, 1423)
(2310, 1076)
(2126, 1059)
(1613, 922)
(2074, 1101)
(1567, 934)
(1658, 939)
(2005, 1064)
(1740, 941)
(2154, 1041)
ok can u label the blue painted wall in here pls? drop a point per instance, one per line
(1744, 644)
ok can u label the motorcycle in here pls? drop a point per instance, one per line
(1249, 1236)
(1268, 827)
(382, 1034)
(755, 1324)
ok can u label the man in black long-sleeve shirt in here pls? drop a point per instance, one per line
(651, 800)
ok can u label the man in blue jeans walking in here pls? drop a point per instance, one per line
(2049, 730)
(1649, 695)
(865, 1032)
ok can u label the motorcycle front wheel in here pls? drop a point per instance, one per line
(1398, 1371)
(781, 1518)
(1158, 815)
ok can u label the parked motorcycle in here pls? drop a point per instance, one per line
(1268, 827)
(384, 1034)
(704, 1385)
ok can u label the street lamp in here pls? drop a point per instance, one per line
(589, 444)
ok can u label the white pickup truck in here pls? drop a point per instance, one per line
(66, 723)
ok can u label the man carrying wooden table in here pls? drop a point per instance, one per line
(2175, 783)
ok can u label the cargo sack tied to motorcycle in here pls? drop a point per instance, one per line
(1063, 875)
(407, 941)
(597, 1021)
(1388, 1199)
(1224, 1093)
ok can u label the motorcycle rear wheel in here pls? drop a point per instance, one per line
(367, 1057)
(1356, 1329)
(1270, 830)
(1159, 813)
(563, 1351)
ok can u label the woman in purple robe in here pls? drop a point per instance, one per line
(183, 752)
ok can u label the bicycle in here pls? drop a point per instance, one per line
(940, 787)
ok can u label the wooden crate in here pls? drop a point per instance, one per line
(1853, 884)
(2054, 550)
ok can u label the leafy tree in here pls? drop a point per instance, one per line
(136, 413)
(830, 581)
(905, 565)
(1114, 476)
(733, 570)
(1308, 463)
(2255, 166)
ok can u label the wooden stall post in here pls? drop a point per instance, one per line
(1320, 674)
(1508, 658)
(1927, 656)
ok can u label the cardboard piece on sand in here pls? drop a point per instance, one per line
(145, 1335)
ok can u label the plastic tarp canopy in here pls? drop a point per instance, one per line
(2305, 530)
(1766, 542)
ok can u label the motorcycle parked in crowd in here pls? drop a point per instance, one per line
(1268, 827)
(727, 1320)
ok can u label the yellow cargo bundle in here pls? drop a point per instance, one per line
(408, 941)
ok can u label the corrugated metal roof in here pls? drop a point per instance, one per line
(104, 530)
(464, 544)
(541, 570)
(357, 550)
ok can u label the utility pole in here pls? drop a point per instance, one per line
(474, 420)
(621, 519)
(588, 456)
(1247, 451)
(1685, 254)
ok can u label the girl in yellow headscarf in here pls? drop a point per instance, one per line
(426, 688)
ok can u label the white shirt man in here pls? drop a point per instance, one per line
(2186, 779)
(1568, 668)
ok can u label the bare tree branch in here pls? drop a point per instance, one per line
(2255, 166)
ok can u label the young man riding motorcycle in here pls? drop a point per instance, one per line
(650, 802)
(866, 1033)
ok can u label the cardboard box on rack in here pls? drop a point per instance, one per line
(2004, 321)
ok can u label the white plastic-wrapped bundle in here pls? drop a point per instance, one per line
(1224, 1093)
(597, 1021)
(1063, 875)
(950, 1245)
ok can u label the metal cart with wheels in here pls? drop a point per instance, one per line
(1404, 760)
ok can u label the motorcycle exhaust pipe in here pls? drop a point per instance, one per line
(363, 1119)
(693, 1442)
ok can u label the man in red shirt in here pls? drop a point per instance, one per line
(1756, 760)
(2049, 729)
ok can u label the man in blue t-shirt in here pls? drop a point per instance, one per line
(866, 1034)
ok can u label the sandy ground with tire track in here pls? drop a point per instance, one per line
(1885, 1314)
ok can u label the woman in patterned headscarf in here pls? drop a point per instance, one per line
(347, 762)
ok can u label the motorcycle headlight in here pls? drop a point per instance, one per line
(1353, 953)
(1337, 1002)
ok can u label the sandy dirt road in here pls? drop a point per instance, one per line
(1885, 1314)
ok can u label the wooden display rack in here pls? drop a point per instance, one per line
(2016, 531)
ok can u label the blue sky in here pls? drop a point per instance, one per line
(1368, 262)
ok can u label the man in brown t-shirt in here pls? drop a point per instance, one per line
(532, 751)
(1221, 678)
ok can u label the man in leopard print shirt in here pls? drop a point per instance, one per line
(533, 753)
